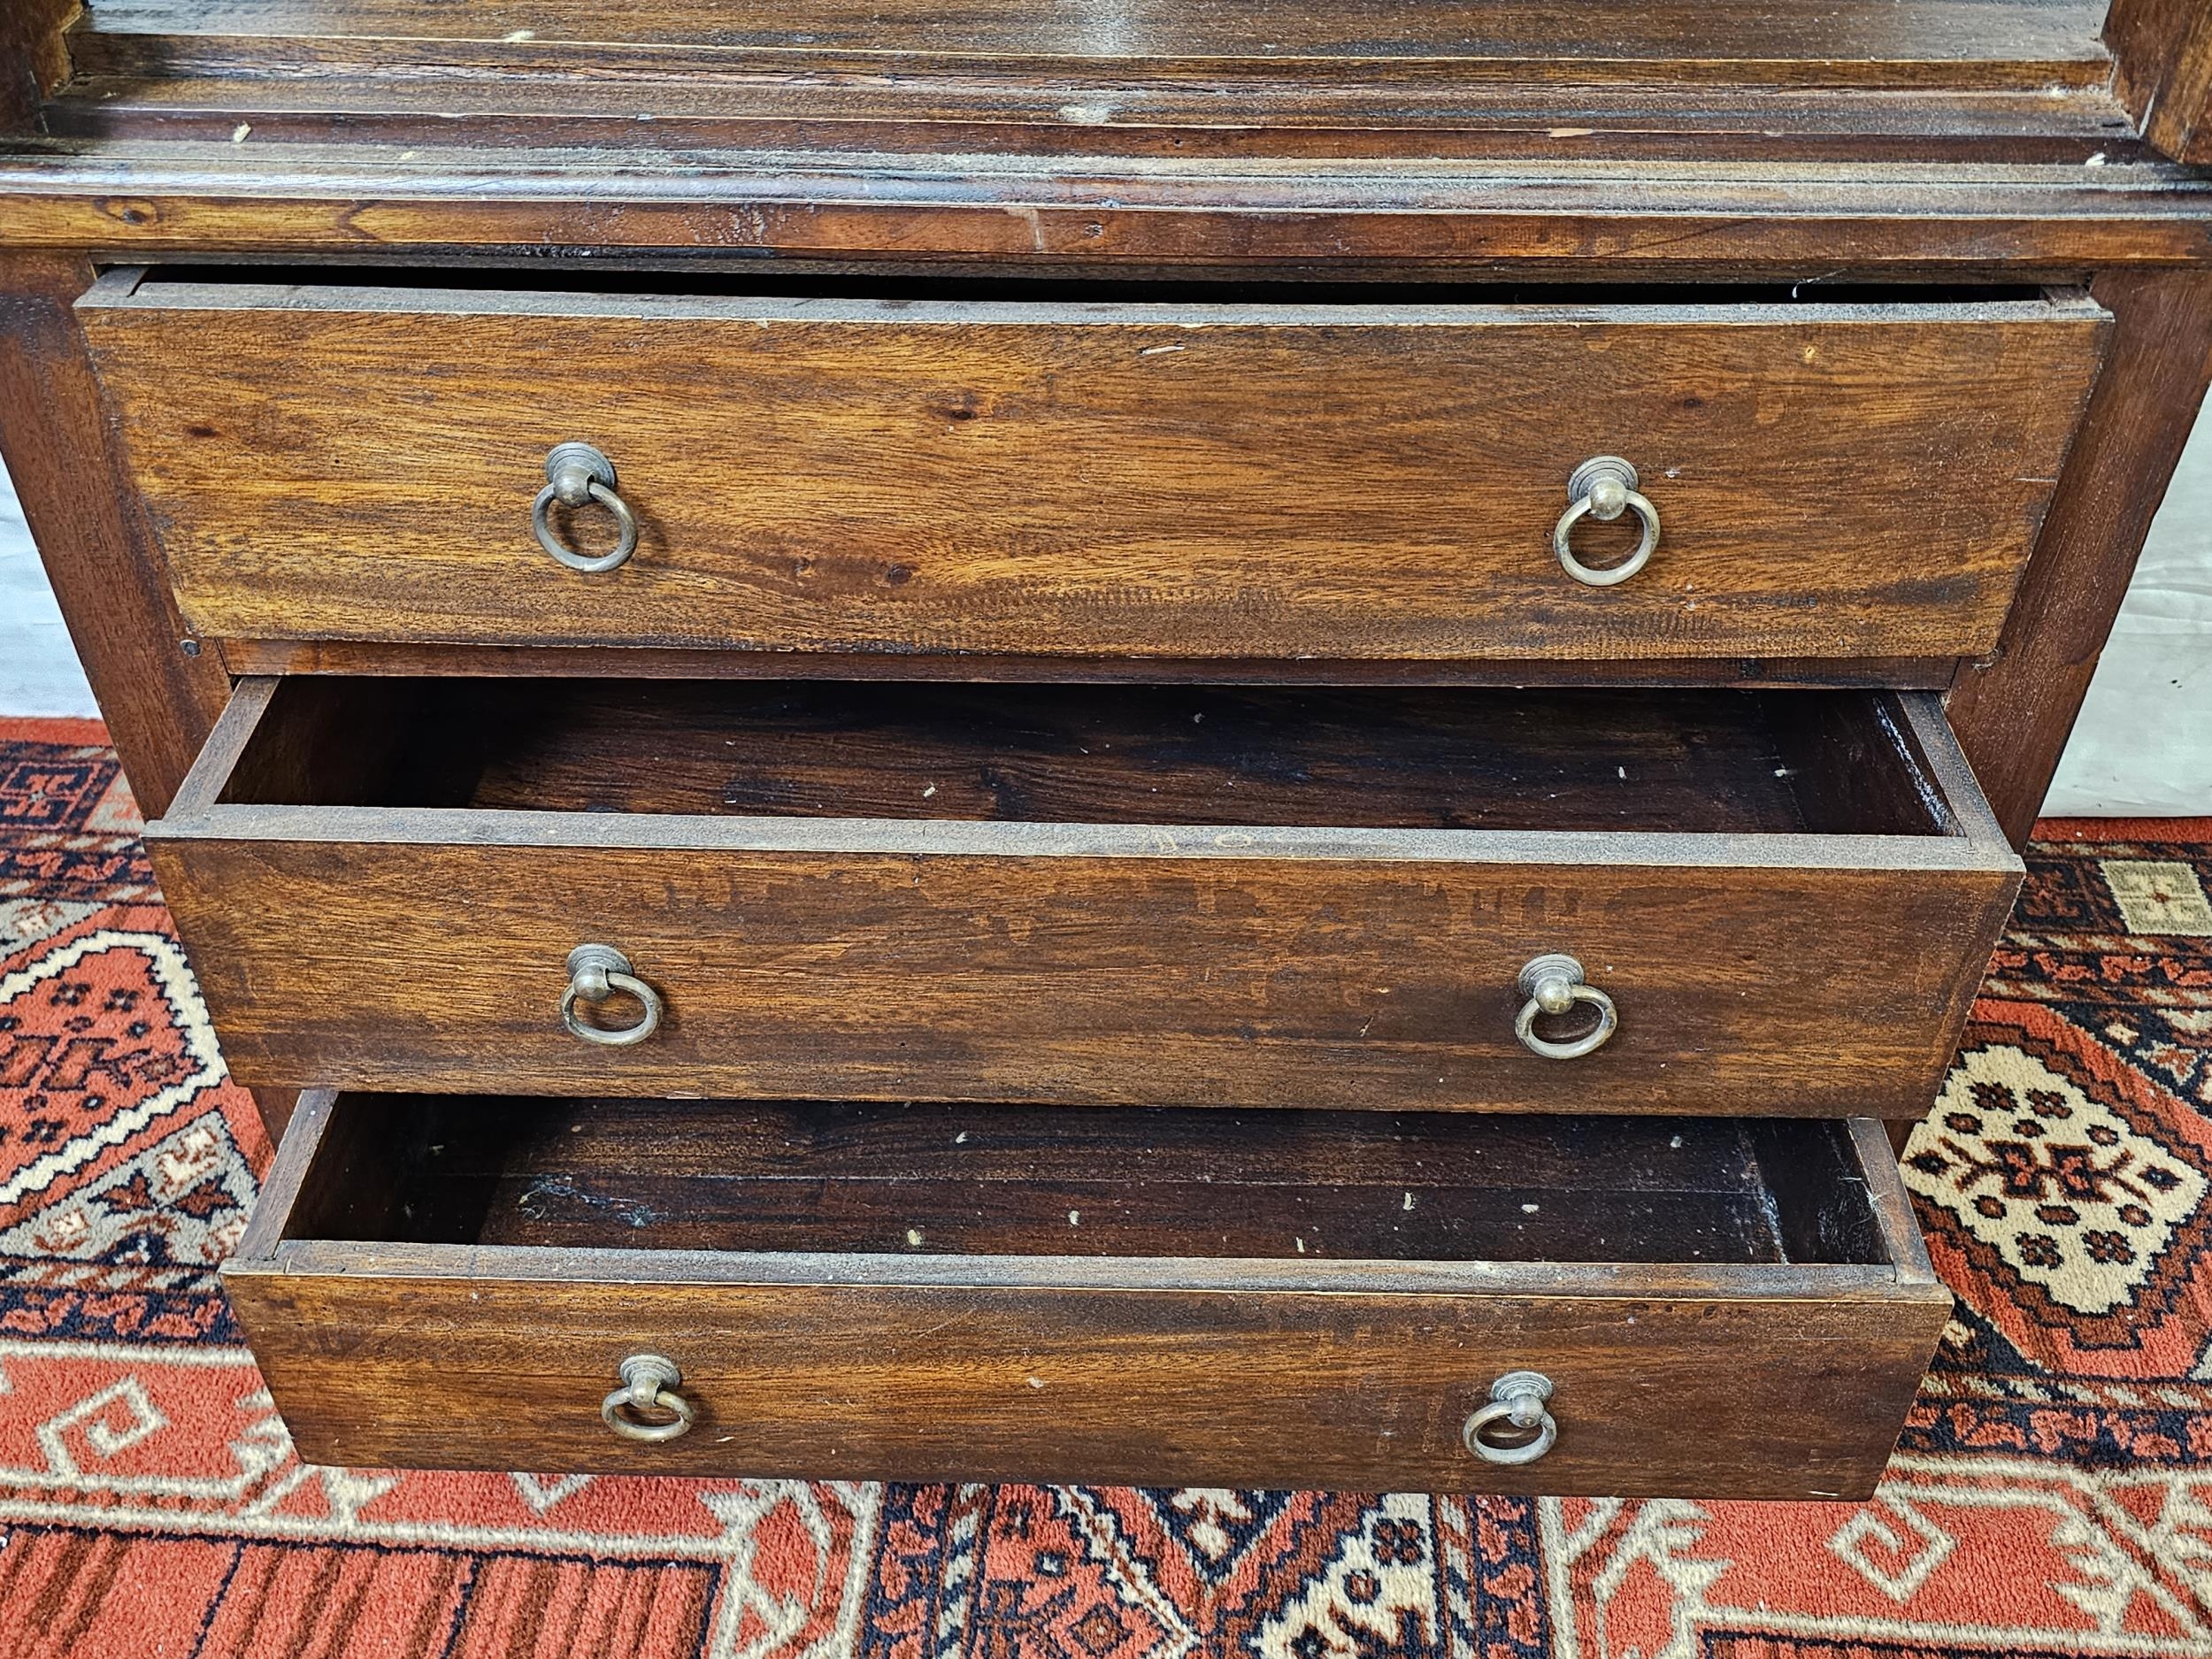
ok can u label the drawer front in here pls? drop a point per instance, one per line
(1080, 962)
(1094, 480)
(1775, 1380)
(1660, 1388)
(1197, 980)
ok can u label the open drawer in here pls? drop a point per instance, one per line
(1576, 900)
(1717, 1306)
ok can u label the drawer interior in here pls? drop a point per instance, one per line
(1774, 762)
(919, 1180)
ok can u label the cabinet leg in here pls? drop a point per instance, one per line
(276, 1106)
(2014, 708)
(159, 690)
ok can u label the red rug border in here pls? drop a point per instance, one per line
(52, 728)
(2124, 829)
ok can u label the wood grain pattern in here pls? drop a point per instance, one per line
(853, 476)
(1241, 1372)
(267, 657)
(2014, 711)
(1875, 81)
(33, 61)
(1373, 112)
(1087, 963)
(1792, 221)
(2163, 72)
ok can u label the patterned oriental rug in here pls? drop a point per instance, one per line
(2053, 1493)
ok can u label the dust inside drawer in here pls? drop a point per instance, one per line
(1690, 761)
(1009, 1182)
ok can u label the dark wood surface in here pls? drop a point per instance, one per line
(1240, 1372)
(1860, 140)
(1092, 962)
(266, 657)
(2015, 709)
(1858, 135)
(1372, 112)
(1791, 219)
(2163, 72)
(33, 59)
(1712, 762)
(1015, 1181)
(887, 476)
(159, 691)
(1870, 78)
(1345, 76)
(2034, 43)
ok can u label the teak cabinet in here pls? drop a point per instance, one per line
(1247, 749)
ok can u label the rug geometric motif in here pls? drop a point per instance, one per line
(2051, 1496)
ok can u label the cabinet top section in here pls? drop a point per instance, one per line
(1543, 79)
(1382, 105)
(2033, 44)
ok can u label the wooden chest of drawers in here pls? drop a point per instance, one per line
(948, 768)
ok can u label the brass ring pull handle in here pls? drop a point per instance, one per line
(577, 474)
(1604, 487)
(1553, 983)
(1514, 1427)
(595, 973)
(647, 1407)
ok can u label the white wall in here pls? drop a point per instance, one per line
(38, 670)
(2144, 746)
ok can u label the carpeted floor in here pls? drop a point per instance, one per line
(2053, 1493)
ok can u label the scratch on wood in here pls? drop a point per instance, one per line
(1029, 216)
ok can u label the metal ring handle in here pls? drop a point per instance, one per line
(1603, 488)
(1553, 983)
(595, 973)
(576, 473)
(647, 1407)
(1516, 1398)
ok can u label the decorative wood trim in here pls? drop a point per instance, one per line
(349, 658)
(1687, 222)
(1721, 45)
(2013, 710)
(2162, 53)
